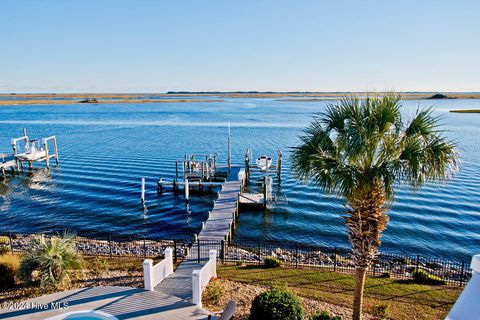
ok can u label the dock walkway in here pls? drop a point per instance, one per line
(216, 228)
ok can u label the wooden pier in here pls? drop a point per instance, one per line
(221, 220)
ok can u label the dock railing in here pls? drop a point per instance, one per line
(200, 278)
(154, 274)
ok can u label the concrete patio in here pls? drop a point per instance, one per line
(121, 302)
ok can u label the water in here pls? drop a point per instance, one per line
(105, 149)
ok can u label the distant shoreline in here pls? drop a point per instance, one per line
(9, 99)
(466, 111)
(97, 101)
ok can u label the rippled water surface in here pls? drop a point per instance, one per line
(105, 149)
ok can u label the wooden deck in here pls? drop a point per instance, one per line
(221, 219)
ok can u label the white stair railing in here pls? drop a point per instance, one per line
(200, 278)
(154, 274)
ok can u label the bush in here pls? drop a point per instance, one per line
(324, 315)
(423, 277)
(379, 311)
(276, 304)
(48, 261)
(4, 240)
(272, 262)
(99, 266)
(9, 265)
(4, 244)
(213, 293)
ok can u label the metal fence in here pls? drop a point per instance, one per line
(105, 245)
(253, 253)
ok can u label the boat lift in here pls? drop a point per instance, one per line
(33, 151)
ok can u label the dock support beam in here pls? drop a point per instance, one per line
(187, 190)
(279, 165)
(143, 192)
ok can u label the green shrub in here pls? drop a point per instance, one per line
(99, 266)
(4, 240)
(213, 293)
(379, 311)
(4, 249)
(48, 261)
(272, 262)
(276, 304)
(324, 315)
(9, 265)
(423, 277)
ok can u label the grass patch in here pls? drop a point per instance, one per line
(406, 300)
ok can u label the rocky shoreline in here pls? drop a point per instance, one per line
(94, 247)
(335, 260)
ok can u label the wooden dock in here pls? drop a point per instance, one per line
(221, 220)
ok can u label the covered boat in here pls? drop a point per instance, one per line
(263, 162)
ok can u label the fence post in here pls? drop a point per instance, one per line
(212, 257)
(462, 273)
(175, 251)
(11, 241)
(169, 261)
(335, 259)
(110, 244)
(296, 255)
(374, 267)
(148, 274)
(222, 251)
(144, 249)
(198, 251)
(196, 288)
(418, 263)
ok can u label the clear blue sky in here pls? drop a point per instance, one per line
(155, 46)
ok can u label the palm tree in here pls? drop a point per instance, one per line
(52, 258)
(358, 149)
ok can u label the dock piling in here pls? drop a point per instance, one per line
(187, 190)
(143, 192)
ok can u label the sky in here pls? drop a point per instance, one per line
(157, 46)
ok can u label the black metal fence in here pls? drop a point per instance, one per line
(253, 253)
(339, 260)
(104, 245)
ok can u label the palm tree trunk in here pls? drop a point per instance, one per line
(358, 294)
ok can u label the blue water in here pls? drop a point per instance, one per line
(105, 149)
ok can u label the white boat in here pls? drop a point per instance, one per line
(263, 162)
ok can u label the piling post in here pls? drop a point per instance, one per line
(176, 169)
(187, 190)
(47, 156)
(160, 185)
(143, 192)
(55, 149)
(229, 149)
(265, 191)
(279, 165)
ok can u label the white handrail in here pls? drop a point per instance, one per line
(200, 278)
(154, 274)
